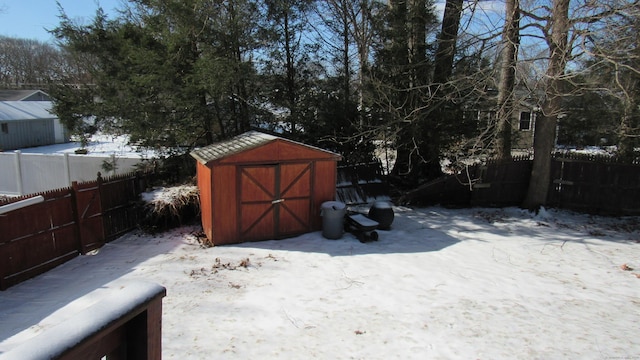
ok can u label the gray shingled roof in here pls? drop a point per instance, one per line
(238, 144)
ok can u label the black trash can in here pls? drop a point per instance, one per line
(382, 212)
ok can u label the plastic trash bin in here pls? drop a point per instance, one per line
(332, 213)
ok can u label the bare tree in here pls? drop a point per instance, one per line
(27, 63)
(289, 53)
(564, 26)
(506, 86)
(351, 22)
(614, 62)
(556, 36)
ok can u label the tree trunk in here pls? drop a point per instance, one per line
(509, 57)
(399, 44)
(626, 141)
(545, 126)
(291, 73)
(443, 66)
(346, 63)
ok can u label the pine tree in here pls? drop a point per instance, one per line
(400, 76)
(163, 72)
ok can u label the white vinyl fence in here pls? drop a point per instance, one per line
(22, 174)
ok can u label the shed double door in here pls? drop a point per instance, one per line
(274, 200)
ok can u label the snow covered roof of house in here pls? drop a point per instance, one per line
(25, 110)
(238, 144)
(24, 95)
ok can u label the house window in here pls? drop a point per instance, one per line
(5, 128)
(525, 120)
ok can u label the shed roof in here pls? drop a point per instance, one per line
(243, 142)
(25, 110)
(23, 95)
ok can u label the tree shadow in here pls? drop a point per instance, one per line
(436, 228)
(412, 231)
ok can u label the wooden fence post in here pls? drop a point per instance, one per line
(76, 215)
(89, 214)
(99, 182)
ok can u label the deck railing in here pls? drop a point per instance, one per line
(125, 325)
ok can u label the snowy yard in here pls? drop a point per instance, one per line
(442, 284)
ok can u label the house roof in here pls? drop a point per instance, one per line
(23, 95)
(25, 110)
(243, 142)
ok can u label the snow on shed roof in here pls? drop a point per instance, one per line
(238, 144)
(25, 110)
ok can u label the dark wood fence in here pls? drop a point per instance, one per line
(583, 183)
(499, 183)
(595, 185)
(69, 222)
(361, 183)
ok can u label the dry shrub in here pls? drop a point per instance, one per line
(166, 208)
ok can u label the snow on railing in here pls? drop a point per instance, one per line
(124, 325)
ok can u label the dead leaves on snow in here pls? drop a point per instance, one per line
(625, 267)
(219, 265)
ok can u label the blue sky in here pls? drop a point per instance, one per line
(28, 18)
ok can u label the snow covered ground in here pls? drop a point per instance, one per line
(100, 145)
(442, 284)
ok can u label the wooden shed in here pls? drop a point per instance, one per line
(258, 186)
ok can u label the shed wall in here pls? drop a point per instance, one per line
(225, 193)
(224, 204)
(324, 188)
(26, 133)
(203, 175)
(61, 134)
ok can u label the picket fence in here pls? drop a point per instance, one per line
(68, 222)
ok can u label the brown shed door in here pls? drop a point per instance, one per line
(275, 200)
